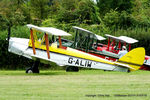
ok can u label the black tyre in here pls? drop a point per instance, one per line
(72, 69)
(128, 71)
(29, 70)
(34, 68)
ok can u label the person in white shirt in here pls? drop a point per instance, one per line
(122, 52)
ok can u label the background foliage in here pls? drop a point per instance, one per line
(116, 17)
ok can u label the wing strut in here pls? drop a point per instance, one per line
(129, 47)
(60, 44)
(108, 44)
(32, 38)
(47, 45)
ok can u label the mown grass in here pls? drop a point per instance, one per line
(83, 85)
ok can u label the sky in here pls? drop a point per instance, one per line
(94, 0)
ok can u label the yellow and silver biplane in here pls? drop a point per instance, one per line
(46, 45)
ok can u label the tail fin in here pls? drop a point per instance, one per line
(133, 59)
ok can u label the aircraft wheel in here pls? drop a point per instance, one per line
(29, 70)
(128, 71)
(72, 69)
(34, 68)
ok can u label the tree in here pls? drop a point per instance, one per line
(118, 5)
(141, 13)
(79, 11)
(10, 14)
(39, 9)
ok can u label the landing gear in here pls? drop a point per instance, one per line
(34, 68)
(72, 69)
(128, 71)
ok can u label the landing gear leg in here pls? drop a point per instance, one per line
(34, 68)
(72, 69)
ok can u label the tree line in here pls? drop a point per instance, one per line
(112, 13)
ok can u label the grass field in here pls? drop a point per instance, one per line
(82, 85)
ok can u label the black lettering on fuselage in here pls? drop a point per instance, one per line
(70, 60)
(81, 64)
(77, 62)
(89, 64)
(85, 63)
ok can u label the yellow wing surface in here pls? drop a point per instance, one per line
(134, 59)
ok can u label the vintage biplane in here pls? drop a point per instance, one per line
(47, 45)
(115, 45)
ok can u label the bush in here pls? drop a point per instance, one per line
(116, 20)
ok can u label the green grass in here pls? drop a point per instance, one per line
(83, 85)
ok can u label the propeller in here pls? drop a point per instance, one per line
(9, 32)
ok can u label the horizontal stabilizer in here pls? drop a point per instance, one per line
(123, 65)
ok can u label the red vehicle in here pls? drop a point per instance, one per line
(89, 42)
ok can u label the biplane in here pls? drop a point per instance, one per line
(115, 44)
(47, 45)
